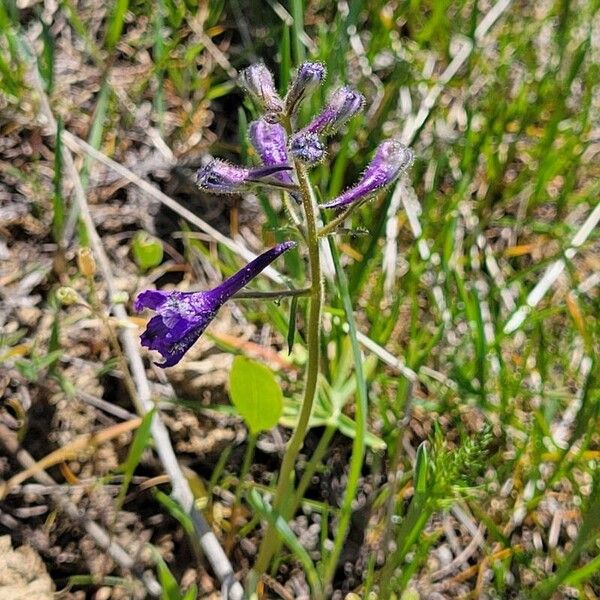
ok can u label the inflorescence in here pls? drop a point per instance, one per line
(181, 317)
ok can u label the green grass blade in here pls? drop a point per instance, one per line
(115, 24)
(358, 442)
(289, 539)
(140, 442)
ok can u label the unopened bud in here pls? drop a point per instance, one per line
(119, 297)
(67, 296)
(257, 80)
(309, 76)
(307, 147)
(86, 262)
(343, 104)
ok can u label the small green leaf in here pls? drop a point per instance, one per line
(421, 469)
(147, 250)
(192, 593)
(168, 583)
(255, 393)
(58, 203)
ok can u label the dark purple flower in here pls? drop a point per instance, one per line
(257, 80)
(343, 104)
(308, 78)
(390, 160)
(270, 143)
(220, 177)
(183, 316)
(307, 147)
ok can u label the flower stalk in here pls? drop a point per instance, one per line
(270, 542)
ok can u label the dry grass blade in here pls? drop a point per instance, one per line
(80, 444)
(100, 536)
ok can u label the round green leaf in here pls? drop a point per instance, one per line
(147, 250)
(255, 394)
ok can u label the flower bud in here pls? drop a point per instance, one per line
(307, 147)
(120, 297)
(221, 177)
(67, 296)
(86, 262)
(309, 76)
(270, 142)
(343, 104)
(391, 159)
(257, 80)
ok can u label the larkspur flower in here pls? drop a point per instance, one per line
(270, 143)
(307, 147)
(182, 317)
(221, 177)
(343, 104)
(309, 76)
(257, 80)
(390, 160)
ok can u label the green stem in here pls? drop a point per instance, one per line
(418, 514)
(248, 456)
(270, 542)
(337, 221)
(250, 295)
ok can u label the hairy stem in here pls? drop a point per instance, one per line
(270, 542)
(250, 295)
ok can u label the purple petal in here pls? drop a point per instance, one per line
(270, 142)
(307, 147)
(182, 317)
(221, 177)
(150, 299)
(257, 80)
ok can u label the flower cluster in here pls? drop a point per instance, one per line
(281, 147)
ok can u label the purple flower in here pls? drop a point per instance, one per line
(307, 147)
(390, 160)
(257, 80)
(308, 78)
(220, 177)
(183, 316)
(270, 142)
(343, 104)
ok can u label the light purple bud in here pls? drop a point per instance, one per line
(257, 80)
(221, 177)
(391, 159)
(182, 317)
(343, 104)
(307, 147)
(309, 76)
(270, 143)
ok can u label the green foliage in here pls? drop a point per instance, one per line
(170, 587)
(141, 441)
(259, 504)
(255, 394)
(503, 178)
